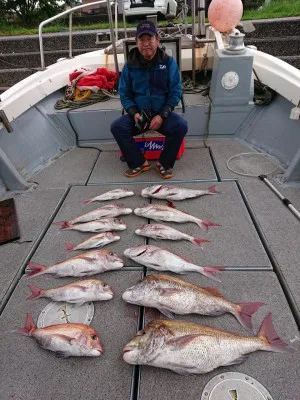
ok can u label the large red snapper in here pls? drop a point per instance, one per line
(86, 264)
(188, 348)
(78, 292)
(65, 339)
(172, 295)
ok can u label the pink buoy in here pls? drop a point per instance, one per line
(224, 15)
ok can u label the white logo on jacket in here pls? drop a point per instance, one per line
(161, 66)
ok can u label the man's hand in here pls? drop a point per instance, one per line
(156, 123)
(136, 117)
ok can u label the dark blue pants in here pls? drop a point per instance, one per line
(174, 128)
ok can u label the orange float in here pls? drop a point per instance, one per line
(224, 15)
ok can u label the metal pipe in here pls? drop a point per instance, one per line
(124, 24)
(112, 37)
(285, 201)
(201, 19)
(116, 19)
(70, 35)
(193, 43)
(47, 21)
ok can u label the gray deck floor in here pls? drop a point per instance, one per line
(242, 244)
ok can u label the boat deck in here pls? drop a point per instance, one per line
(257, 244)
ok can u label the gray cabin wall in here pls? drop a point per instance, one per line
(34, 142)
(272, 131)
(42, 134)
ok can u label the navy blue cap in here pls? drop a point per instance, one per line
(146, 26)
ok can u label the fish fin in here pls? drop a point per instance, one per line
(212, 190)
(29, 326)
(181, 342)
(238, 360)
(245, 312)
(199, 241)
(179, 255)
(270, 338)
(169, 292)
(204, 224)
(158, 189)
(214, 291)
(63, 224)
(209, 272)
(61, 354)
(86, 201)
(35, 269)
(87, 258)
(170, 204)
(182, 372)
(36, 292)
(69, 247)
(167, 313)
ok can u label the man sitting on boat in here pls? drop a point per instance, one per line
(150, 88)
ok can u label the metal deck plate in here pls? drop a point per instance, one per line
(29, 372)
(197, 162)
(62, 313)
(233, 385)
(278, 372)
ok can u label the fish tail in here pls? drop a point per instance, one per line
(204, 224)
(245, 312)
(69, 247)
(63, 224)
(212, 190)
(270, 338)
(88, 201)
(198, 242)
(29, 326)
(35, 269)
(36, 292)
(210, 272)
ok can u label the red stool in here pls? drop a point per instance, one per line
(152, 145)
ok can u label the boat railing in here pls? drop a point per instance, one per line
(70, 12)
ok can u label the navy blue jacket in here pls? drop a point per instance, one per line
(154, 85)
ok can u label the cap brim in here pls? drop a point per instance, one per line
(148, 32)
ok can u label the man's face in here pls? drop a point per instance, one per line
(147, 45)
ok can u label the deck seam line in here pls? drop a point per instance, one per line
(280, 276)
(38, 241)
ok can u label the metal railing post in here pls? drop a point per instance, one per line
(70, 35)
(193, 42)
(47, 21)
(112, 37)
(201, 17)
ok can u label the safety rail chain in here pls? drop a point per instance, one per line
(70, 12)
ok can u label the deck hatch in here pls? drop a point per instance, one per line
(234, 386)
(63, 313)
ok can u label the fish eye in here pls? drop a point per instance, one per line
(104, 284)
(111, 253)
(94, 337)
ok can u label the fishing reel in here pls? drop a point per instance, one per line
(143, 123)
